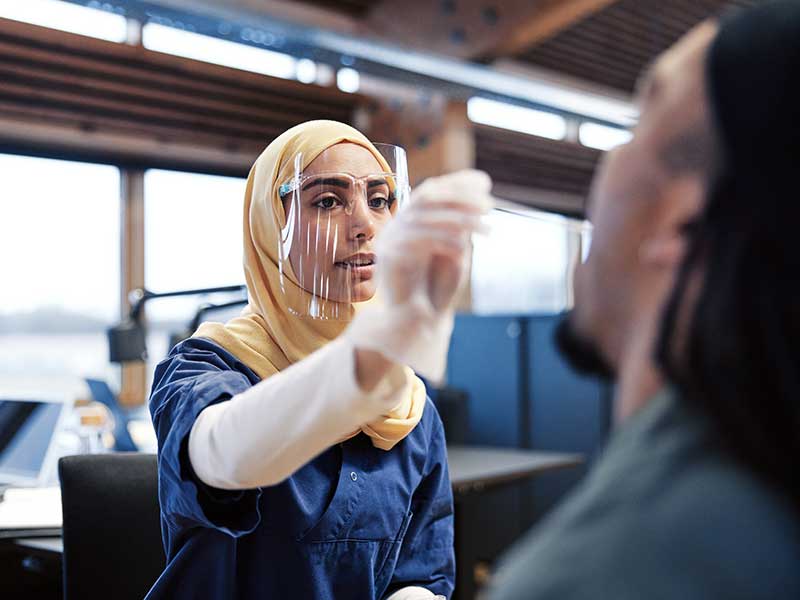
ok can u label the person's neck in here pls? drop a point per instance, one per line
(639, 378)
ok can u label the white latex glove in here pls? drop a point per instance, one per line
(422, 259)
(414, 593)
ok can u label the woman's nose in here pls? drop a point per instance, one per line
(362, 223)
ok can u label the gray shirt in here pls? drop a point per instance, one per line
(663, 514)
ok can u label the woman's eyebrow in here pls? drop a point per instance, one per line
(342, 183)
(377, 183)
(334, 181)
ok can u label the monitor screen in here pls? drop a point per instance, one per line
(26, 433)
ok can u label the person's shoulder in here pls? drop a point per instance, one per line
(721, 508)
(197, 362)
(715, 523)
(426, 442)
(202, 353)
(199, 347)
(431, 421)
(722, 493)
(712, 530)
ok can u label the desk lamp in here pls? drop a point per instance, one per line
(126, 341)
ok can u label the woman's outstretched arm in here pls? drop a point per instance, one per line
(261, 436)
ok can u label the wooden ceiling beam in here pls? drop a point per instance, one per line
(466, 29)
(542, 22)
(472, 29)
(71, 96)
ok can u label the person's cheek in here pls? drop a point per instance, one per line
(610, 195)
(581, 293)
(602, 211)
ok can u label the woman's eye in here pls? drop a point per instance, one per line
(379, 202)
(327, 203)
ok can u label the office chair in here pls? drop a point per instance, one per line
(112, 530)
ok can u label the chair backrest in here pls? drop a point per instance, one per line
(112, 529)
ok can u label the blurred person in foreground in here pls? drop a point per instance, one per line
(689, 300)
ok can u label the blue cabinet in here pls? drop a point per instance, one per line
(567, 412)
(521, 393)
(485, 360)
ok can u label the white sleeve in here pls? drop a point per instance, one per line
(263, 435)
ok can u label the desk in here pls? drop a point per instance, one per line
(31, 568)
(54, 545)
(476, 472)
(473, 470)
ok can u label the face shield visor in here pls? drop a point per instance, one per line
(526, 261)
(334, 206)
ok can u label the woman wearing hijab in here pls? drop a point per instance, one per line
(299, 456)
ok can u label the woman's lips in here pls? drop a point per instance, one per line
(359, 268)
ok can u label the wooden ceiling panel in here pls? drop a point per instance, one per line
(352, 8)
(125, 104)
(528, 162)
(473, 29)
(612, 46)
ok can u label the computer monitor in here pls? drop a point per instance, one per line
(27, 439)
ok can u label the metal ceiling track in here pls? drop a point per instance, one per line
(455, 78)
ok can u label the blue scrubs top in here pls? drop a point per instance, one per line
(356, 522)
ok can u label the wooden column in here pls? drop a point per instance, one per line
(133, 390)
(452, 149)
(436, 133)
(450, 144)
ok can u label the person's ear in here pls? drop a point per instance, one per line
(664, 251)
(666, 246)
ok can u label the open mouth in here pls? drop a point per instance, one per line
(356, 262)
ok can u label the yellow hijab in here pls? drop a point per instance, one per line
(268, 337)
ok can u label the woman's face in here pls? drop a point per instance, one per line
(336, 217)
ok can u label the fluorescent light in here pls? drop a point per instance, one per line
(516, 118)
(481, 77)
(64, 16)
(602, 137)
(306, 70)
(348, 80)
(217, 51)
(325, 75)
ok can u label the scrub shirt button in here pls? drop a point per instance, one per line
(354, 476)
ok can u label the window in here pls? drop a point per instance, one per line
(602, 137)
(524, 264)
(222, 52)
(60, 243)
(65, 16)
(193, 239)
(516, 118)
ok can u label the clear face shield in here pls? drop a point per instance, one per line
(334, 207)
(527, 261)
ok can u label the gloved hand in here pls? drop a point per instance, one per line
(414, 593)
(422, 259)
